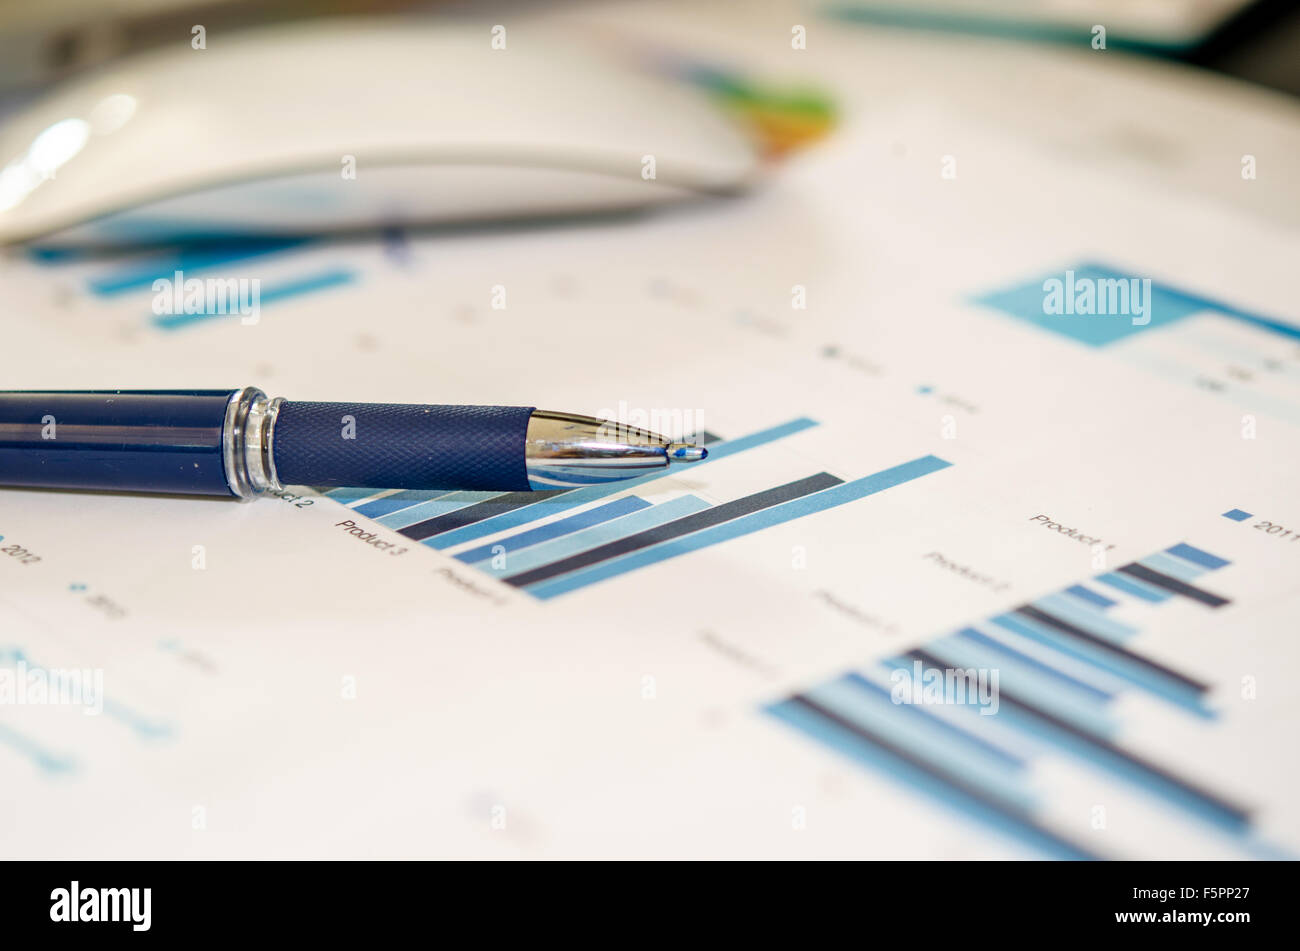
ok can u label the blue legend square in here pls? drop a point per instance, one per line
(1237, 515)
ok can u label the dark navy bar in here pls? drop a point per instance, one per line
(1065, 627)
(971, 796)
(997, 647)
(682, 526)
(497, 505)
(1111, 754)
(1163, 581)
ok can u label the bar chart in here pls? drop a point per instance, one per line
(1237, 355)
(1064, 662)
(221, 258)
(549, 544)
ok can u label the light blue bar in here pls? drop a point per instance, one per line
(433, 508)
(561, 548)
(418, 513)
(143, 726)
(994, 734)
(308, 283)
(983, 735)
(1051, 657)
(730, 447)
(746, 524)
(1237, 515)
(396, 502)
(582, 496)
(1170, 790)
(349, 495)
(1137, 589)
(544, 507)
(551, 530)
(1094, 622)
(1025, 683)
(1193, 554)
(301, 285)
(47, 761)
(190, 259)
(875, 710)
(1174, 567)
(999, 648)
(1150, 681)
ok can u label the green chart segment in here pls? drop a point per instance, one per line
(597, 539)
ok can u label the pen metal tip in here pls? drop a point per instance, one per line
(684, 452)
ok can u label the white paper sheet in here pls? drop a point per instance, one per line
(274, 686)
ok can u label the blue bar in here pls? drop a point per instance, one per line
(1090, 596)
(190, 260)
(1147, 680)
(1237, 515)
(48, 762)
(995, 736)
(396, 502)
(892, 766)
(1067, 609)
(432, 508)
(565, 526)
(1195, 555)
(1133, 587)
(332, 277)
(1174, 567)
(764, 436)
(144, 727)
(1027, 684)
(576, 497)
(1059, 676)
(1168, 787)
(1052, 658)
(745, 525)
(513, 518)
(628, 525)
(349, 494)
(925, 713)
(911, 728)
(302, 285)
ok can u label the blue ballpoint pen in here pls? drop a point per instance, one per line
(241, 443)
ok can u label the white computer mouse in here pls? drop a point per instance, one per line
(346, 124)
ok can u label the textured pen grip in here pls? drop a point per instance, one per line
(402, 446)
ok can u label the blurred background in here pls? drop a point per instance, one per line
(327, 71)
(1256, 40)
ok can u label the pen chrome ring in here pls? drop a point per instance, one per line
(259, 439)
(268, 443)
(246, 443)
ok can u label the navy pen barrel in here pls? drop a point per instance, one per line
(120, 440)
(242, 443)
